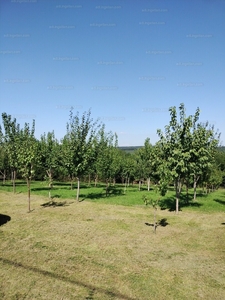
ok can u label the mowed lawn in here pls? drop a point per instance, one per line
(91, 250)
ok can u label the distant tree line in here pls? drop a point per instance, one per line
(186, 155)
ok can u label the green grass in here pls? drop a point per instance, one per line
(205, 203)
(92, 251)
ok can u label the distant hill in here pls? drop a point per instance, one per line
(129, 149)
(221, 148)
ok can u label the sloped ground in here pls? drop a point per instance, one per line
(93, 251)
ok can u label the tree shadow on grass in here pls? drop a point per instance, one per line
(163, 222)
(170, 203)
(115, 294)
(220, 201)
(4, 219)
(55, 204)
(40, 189)
(115, 191)
(10, 184)
(112, 191)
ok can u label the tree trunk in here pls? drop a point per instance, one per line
(107, 187)
(125, 185)
(139, 185)
(195, 186)
(28, 193)
(180, 186)
(177, 196)
(3, 177)
(148, 181)
(78, 188)
(128, 181)
(49, 173)
(89, 179)
(96, 179)
(14, 180)
(155, 225)
(187, 189)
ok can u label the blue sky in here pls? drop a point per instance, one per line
(127, 60)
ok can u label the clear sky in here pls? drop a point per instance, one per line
(127, 60)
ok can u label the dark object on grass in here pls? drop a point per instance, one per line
(163, 222)
(53, 203)
(4, 219)
(148, 224)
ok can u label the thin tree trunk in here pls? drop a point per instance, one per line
(78, 188)
(128, 181)
(49, 173)
(207, 189)
(155, 225)
(177, 196)
(195, 186)
(96, 179)
(3, 177)
(203, 188)
(125, 185)
(148, 181)
(28, 193)
(187, 190)
(107, 187)
(14, 181)
(180, 184)
(139, 185)
(89, 179)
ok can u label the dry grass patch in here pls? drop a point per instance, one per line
(94, 251)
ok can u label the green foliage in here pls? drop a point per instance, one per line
(187, 148)
(77, 145)
(185, 154)
(10, 139)
(28, 154)
(108, 159)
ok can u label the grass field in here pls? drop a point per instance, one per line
(62, 191)
(90, 251)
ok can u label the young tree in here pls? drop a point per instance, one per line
(127, 166)
(49, 153)
(175, 146)
(140, 166)
(220, 163)
(27, 155)
(11, 132)
(77, 146)
(155, 202)
(4, 162)
(105, 163)
(148, 154)
(203, 150)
